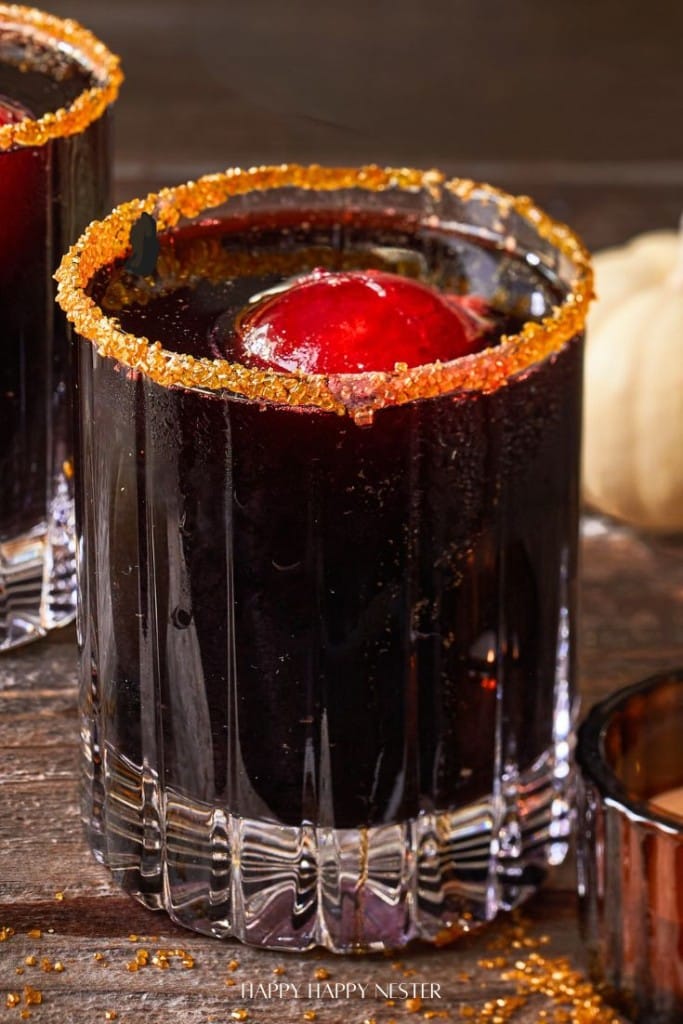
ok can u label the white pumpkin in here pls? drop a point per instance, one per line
(633, 404)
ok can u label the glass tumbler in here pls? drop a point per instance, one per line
(327, 620)
(630, 847)
(57, 83)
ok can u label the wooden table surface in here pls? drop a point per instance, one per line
(632, 624)
(574, 105)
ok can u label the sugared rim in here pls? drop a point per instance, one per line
(592, 760)
(90, 104)
(358, 394)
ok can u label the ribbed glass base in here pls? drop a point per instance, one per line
(38, 576)
(431, 877)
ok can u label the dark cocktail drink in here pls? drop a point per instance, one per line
(328, 505)
(56, 82)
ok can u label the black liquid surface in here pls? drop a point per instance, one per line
(42, 79)
(48, 194)
(334, 623)
(199, 317)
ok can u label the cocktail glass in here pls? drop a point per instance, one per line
(57, 83)
(327, 620)
(630, 846)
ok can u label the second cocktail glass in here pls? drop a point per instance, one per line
(57, 84)
(327, 619)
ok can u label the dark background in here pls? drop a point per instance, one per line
(578, 103)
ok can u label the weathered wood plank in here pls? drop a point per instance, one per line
(247, 87)
(211, 83)
(466, 974)
(632, 616)
(19, 764)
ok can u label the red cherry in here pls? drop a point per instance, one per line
(23, 193)
(357, 320)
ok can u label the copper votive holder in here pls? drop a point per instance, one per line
(630, 751)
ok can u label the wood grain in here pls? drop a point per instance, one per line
(632, 599)
(573, 106)
(211, 84)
